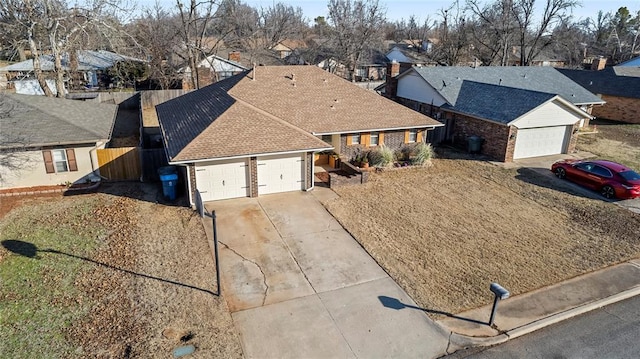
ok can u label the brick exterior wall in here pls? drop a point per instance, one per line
(350, 175)
(623, 109)
(253, 177)
(499, 140)
(573, 140)
(392, 139)
(309, 177)
(192, 181)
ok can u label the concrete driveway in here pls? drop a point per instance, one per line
(299, 286)
(543, 164)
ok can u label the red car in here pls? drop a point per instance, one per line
(611, 179)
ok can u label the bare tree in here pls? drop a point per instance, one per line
(533, 39)
(52, 26)
(356, 27)
(414, 31)
(453, 37)
(280, 22)
(493, 30)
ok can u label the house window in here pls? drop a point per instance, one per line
(60, 160)
(326, 138)
(355, 139)
(375, 138)
(413, 135)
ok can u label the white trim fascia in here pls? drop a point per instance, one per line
(570, 105)
(379, 130)
(250, 155)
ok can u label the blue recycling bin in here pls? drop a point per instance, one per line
(169, 183)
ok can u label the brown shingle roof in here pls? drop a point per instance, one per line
(269, 111)
(320, 102)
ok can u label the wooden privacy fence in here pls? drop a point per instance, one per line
(120, 164)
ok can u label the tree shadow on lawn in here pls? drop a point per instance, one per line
(543, 177)
(30, 250)
(394, 303)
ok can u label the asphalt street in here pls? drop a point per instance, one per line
(609, 332)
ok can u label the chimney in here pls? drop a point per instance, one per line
(598, 64)
(391, 83)
(393, 69)
(234, 56)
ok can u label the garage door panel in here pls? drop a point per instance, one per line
(280, 174)
(543, 141)
(223, 180)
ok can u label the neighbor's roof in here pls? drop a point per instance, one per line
(474, 97)
(275, 109)
(43, 121)
(605, 82)
(87, 61)
(448, 81)
(635, 62)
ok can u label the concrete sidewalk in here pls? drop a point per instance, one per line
(531, 311)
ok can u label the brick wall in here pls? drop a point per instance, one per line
(253, 176)
(192, 181)
(499, 140)
(619, 109)
(308, 163)
(392, 139)
(349, 175)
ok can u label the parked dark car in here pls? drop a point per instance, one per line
(611, 179)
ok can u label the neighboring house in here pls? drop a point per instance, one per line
(257, 132)
(370, 68)
(286, 47)
(86, 69)
(409, 55)
(213, 69)
(619, 86)
(519, 112)
(545, 58)
(51, 141)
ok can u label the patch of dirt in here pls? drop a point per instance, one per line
(152, 283)
(445, 233)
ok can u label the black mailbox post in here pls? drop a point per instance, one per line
(500, 293)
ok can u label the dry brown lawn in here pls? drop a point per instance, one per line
(446, 232)
(614, 141)
(139, 278)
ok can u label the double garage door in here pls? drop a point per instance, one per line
(543, 141)
(232, 178)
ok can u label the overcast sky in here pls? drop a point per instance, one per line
(397, 9)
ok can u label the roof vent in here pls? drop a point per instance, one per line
(500, 82)
(325, 81)
(333, 107)
(336, 100)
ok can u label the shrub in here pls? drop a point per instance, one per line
(422, 154)
(381, 156)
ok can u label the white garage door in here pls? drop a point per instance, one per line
(280, 173)
(543, 141)
(222, 180)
